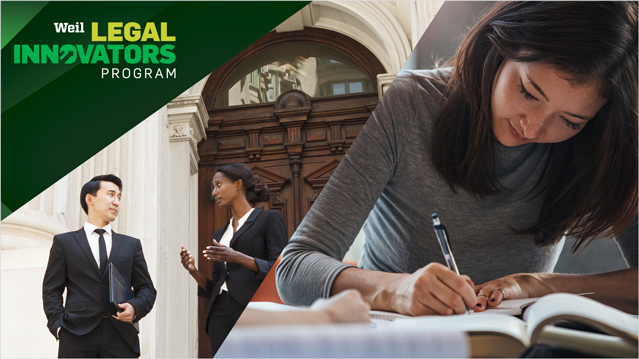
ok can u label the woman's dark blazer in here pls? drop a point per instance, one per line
(263, 237)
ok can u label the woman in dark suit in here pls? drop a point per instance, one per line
(243, 251)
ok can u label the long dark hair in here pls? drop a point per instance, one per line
(592, 177)
(239, 171)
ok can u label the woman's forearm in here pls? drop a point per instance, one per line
(375, 287)
(617, 289)
(247, 261)
(199, 278)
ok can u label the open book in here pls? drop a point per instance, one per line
(496, 335)
(510, 307)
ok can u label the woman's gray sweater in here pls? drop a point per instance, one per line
(387, 183)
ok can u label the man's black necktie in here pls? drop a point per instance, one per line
(103, 250)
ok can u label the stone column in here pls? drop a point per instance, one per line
(26, 240)
(177, 293)
(421, 15)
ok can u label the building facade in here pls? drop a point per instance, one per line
(290, 118)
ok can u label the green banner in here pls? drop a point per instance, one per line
(78, 75)
(16, 15)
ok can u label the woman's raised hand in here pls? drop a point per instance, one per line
(431, 290)
(514, 286)
(221, 253)
(187, 259)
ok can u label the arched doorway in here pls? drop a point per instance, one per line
(289, 106)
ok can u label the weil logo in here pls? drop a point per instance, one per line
(111, 44)
(64, 27)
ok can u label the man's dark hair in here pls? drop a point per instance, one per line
(93, 186)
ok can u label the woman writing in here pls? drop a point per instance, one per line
(243, 251)
(529, 137)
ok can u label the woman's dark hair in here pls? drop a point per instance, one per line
(591, 178)
(239, 171)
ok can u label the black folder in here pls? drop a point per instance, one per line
(119, 292)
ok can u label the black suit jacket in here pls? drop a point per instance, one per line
(263, 236)
(72, 266)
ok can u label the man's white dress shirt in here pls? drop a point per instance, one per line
(94, 240)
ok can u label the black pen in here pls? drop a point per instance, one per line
(442, 237)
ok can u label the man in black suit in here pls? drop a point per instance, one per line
(84, 325)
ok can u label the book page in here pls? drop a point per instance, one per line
(382, 315)
(575, 308)
(514, 306)
(342, 341)
(515, 303)
(273, 307)
(586, 342)
(495, 323)
(508, 307)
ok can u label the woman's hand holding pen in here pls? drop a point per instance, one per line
(221, 253)
(514, 286)
(433, 289)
